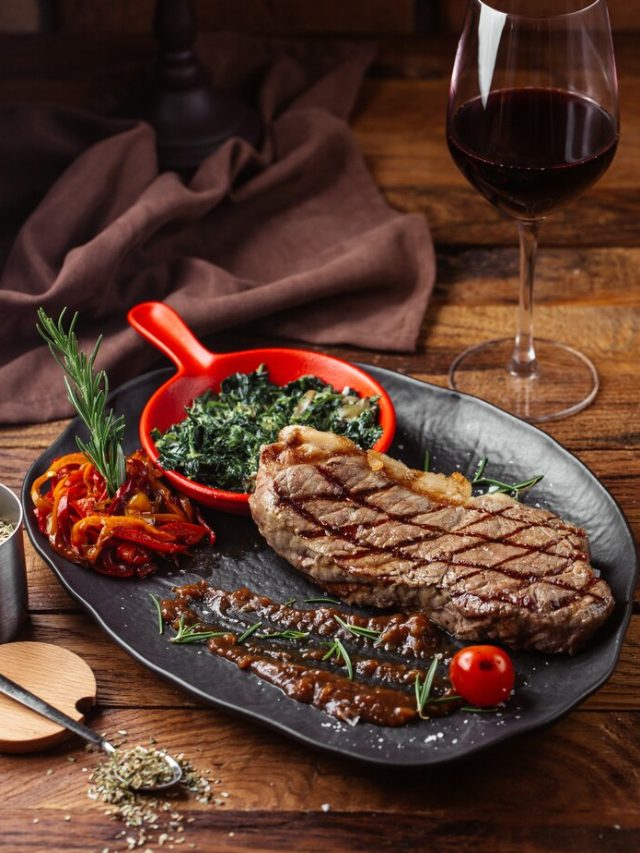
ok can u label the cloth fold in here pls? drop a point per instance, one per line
(295, 236)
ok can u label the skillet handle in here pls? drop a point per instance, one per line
(166, 330)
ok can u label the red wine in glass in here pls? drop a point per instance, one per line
(528, 151)
(532, 122)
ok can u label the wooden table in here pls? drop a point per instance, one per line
(572, 787)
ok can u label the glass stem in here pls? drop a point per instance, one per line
(523, 361)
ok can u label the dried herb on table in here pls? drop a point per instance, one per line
(150, 820)
(219, 441)
(423, 688)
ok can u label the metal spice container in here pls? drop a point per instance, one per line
(13, 575)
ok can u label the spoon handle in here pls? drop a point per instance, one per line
(25, 697)
(167, 331)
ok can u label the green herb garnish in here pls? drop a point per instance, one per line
(426, 465)
(88, 390)
(357, 631)
(453, 698)
(474, 710)
(250, 630)
(495, 486)
(289, 634)
(193, 634)
(338, 652)
(158, 612)
(423, 689)
(219, 441)
(321, 601)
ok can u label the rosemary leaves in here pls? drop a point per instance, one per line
(338, 653)
(494, 486)
(88, 390)
(423, 688)
(193, 633)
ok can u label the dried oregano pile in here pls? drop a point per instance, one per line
(149, 820)
(6, 529)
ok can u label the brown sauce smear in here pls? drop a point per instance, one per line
(382, 690)
(406, 634)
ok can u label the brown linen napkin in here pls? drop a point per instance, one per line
(295, 236)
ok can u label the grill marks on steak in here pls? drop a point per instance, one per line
(368, 529)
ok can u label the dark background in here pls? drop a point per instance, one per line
(343, 17)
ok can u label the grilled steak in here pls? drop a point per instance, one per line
(372, 531)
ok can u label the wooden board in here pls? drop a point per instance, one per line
(55, 674)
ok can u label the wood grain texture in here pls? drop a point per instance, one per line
(490, 802)
(57, 675)
(573, 787)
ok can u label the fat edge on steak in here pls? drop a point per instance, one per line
(372, 531)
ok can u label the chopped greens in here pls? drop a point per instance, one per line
(219, 441)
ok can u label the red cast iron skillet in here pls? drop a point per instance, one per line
(200, 370)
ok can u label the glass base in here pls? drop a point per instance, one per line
(564, 381)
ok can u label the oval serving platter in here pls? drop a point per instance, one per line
(457, 430)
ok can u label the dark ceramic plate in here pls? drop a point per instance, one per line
(457, 430)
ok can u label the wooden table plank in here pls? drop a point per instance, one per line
(482, 797)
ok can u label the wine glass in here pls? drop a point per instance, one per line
(532, 122)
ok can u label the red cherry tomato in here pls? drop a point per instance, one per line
(483, 675)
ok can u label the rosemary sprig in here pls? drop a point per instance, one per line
(289, 602)
(191, 634)
(88, 390)
(289, 634)
(158, 608)
(357, 631)
(423, 689)
(250, 630)
(495, 486)
(321, 601)
(475, 710)
(453, 698)
(338, 651)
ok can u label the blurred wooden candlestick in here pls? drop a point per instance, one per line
(191, 118)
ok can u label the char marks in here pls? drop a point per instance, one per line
(371, 530)
(354, 532)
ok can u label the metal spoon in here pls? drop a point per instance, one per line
(25, 697)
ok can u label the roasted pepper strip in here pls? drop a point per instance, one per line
(117, 536)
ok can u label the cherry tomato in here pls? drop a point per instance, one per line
(483, 675)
